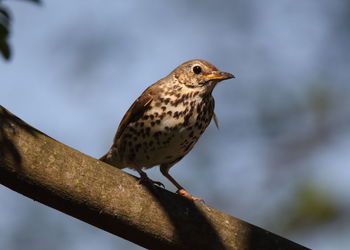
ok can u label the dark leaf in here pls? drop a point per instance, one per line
(4, 22)
(4, 32)
(35, 1)
(5, 49)
(4, 13)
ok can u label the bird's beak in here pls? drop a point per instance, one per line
(218, 75)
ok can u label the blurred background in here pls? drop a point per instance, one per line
(280, 159)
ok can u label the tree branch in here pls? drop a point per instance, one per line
(56, 175)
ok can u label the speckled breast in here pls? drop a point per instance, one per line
(167, 131)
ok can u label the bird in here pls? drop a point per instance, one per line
(166, 121)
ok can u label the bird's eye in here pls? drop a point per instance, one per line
(197, 70)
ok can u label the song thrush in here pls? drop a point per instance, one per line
(165, 122)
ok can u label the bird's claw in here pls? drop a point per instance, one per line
(187, 195)
(146, 180)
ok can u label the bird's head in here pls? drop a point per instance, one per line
(200, 74)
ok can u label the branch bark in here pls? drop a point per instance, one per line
(39, 167)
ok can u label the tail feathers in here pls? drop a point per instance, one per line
(104, 158)
(111, 158)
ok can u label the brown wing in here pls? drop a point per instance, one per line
(137, 109)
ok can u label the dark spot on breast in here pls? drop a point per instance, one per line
(140, 132)
(131, 157)
(169, 112)
(138, 146)
(187, 119)
(157, 134)
(157, 122)
(145, 117)
(132, 130)
(199, 107)
(163, 108)
(175, 127)
(166, 101)
(175, 103)
(176, 86)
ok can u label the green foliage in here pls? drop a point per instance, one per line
(320, 100)
(313, 206)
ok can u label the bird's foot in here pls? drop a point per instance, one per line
(145, 180)
(186, 194)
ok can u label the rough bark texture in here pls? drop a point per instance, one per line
(56, 175)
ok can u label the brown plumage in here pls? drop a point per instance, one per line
(165, 122)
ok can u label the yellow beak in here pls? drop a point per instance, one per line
(218, 75)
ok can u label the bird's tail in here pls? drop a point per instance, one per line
(104, 158)
(111, 158)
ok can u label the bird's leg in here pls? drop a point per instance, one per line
(144, 179)
(164, 169)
